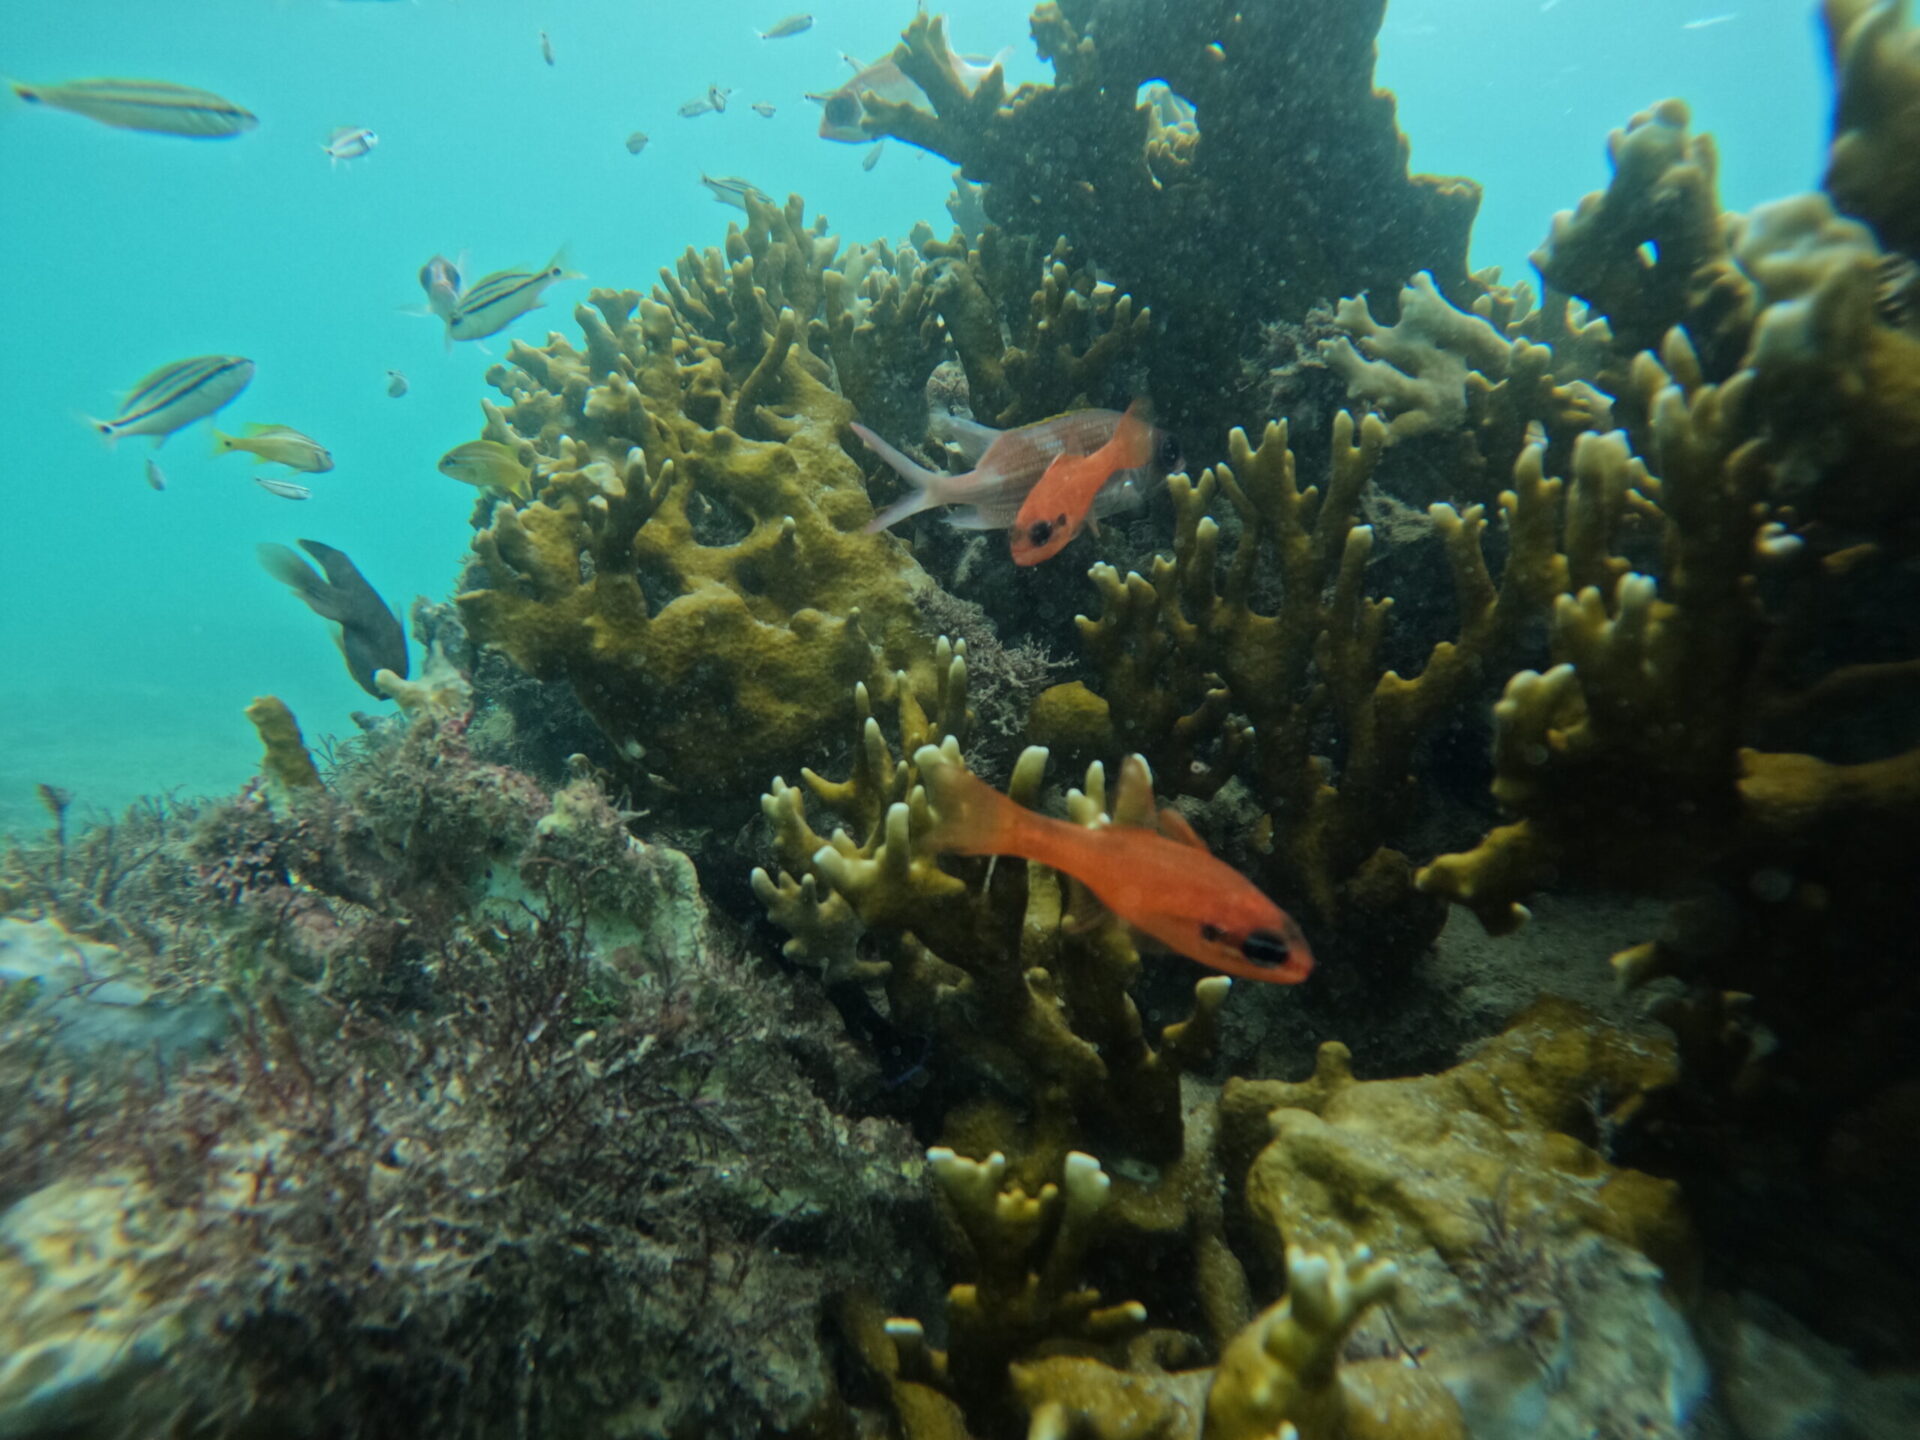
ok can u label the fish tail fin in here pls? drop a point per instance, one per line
(293, 572)
(971, 817)
(925, 484)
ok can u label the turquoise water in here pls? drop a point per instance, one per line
(136, 625)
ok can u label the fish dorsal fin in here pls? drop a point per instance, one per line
(1174, 826)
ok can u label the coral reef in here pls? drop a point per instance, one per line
(1214, 679)
(1002, 996)
(1727, 723)
(1474, 1203)
(694, 542)
(1228, 210)
(694, 545)
(1481, 389)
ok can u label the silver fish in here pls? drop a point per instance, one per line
(349, 142)
(702, 106)
(636, 142)
(154, 106)
(497, 300)
(285, 489)
(156, 477)
(792, 25)
(546, 48)
(176, 395)
(440, 278)
(762, 109)
(396, 384)
(872, 157)
(1007, 464)
(732, 190)
(717, 97)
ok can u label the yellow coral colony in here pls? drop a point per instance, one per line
(695, 544)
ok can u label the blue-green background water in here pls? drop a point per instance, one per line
(135, 625)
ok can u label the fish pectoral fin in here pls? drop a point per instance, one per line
(1084, 914)
(1174, 826)
(1093, 525)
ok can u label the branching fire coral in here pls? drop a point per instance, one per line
(1210, 684)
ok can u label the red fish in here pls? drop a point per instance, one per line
(1062, 502)
(1162, 882)
(1007, 465)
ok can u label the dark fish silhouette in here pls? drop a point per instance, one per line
(369, 637)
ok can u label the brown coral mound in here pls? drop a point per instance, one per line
(1288, 187)
(695, 545)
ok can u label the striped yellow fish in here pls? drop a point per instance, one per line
(176, 395)
(155, 106)
(495, 301)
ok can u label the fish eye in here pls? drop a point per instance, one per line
(1211, 933)
(1266, 947)
(1039, 532)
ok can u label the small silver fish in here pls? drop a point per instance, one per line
(717, 97)
(176, 395)
(156, 106)
(349, 142)
(702, 106)
(732, 190)
(792, 25)
(636, 142)
(762, 109)
(546, 48)
(285, 489)
(156, 477)
(396, 384)
(440, 278)
(872, 157)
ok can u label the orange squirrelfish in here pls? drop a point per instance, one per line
(1162, 882)
(1006, 465)
(1062, 501)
